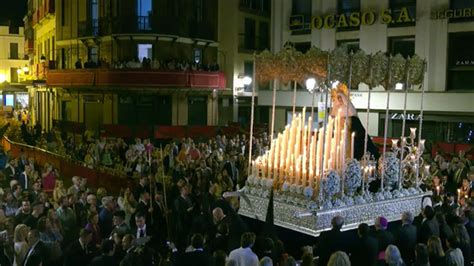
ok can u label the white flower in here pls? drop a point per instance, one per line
(308, 192)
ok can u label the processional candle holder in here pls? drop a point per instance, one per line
(368, 165)
(411, 154)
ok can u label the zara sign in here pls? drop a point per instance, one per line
(409, 116)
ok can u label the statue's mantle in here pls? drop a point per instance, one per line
(285, 213)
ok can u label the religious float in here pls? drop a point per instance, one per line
(319, 170)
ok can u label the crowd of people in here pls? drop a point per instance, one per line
(175, 213)
(148, 63)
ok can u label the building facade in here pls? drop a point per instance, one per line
(438, 31)
(13, 66)
(132, 63)
(244, 28)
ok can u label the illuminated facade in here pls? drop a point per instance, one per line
(438, 31)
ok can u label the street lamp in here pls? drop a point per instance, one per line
(247, 80)
(311, 84)
(399, 86)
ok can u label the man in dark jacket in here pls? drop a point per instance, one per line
(37, 252)
(331, 241)
(429, 226)
(406, 238)
(364, 251)
(80, 252)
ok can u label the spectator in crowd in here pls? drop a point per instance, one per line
(421, 255)
(406, 238)
(365, 249)
(331, 241)
(393, 256)
(454, 254)
(244, 255)
(339, 258)
(383, 236)
(429, 226)
(20, 245)
(436, 252)
(107, 256)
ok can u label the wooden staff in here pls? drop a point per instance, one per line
(164, 190)
(251, 118)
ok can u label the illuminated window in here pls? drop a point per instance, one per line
(145, 50)
(9, 100)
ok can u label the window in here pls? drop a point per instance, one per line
(13, 50)
(460, 61)
(347, 7)
(349, 45)
(249, 34)
(402, 45)
(145, 50)
(198, 10)
(92, 53)
(399, 10)
(302, 8)
(144, 10)
(94, 16)
(255, 5)
(248, 72)
(459, 5)
(12, 29)
(264, 36)
(13, 75)
(63, 12)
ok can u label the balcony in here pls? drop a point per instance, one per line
(142, 78)
(29, 46)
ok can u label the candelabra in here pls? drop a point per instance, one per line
(411, 157)
(368, 166)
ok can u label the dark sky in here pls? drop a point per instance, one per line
(13, 10)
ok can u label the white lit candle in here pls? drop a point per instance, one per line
(352, 144)
(394, 143)
(412, 133)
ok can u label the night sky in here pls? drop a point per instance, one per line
(13, 10)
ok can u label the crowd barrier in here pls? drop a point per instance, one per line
(68, 168)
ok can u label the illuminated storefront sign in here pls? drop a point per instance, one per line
(409, 116)
(453, 13)
(353, 19)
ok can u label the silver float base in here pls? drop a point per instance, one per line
(284, 213)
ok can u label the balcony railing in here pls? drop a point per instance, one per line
(144, 78)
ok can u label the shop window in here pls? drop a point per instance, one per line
(399, 10)
(346, 7)
(402, 45)
(350, 45)
(197, 111)
(301, 11)
(460, 61)
(457, 6)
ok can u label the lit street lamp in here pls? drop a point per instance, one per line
(247, 80)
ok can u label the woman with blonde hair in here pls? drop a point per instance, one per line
(59, 190)
(20, 246)
(435, 252)
(339, 258)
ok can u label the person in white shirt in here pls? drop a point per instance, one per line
(244, 256)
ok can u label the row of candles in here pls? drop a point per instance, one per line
(297, 152)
